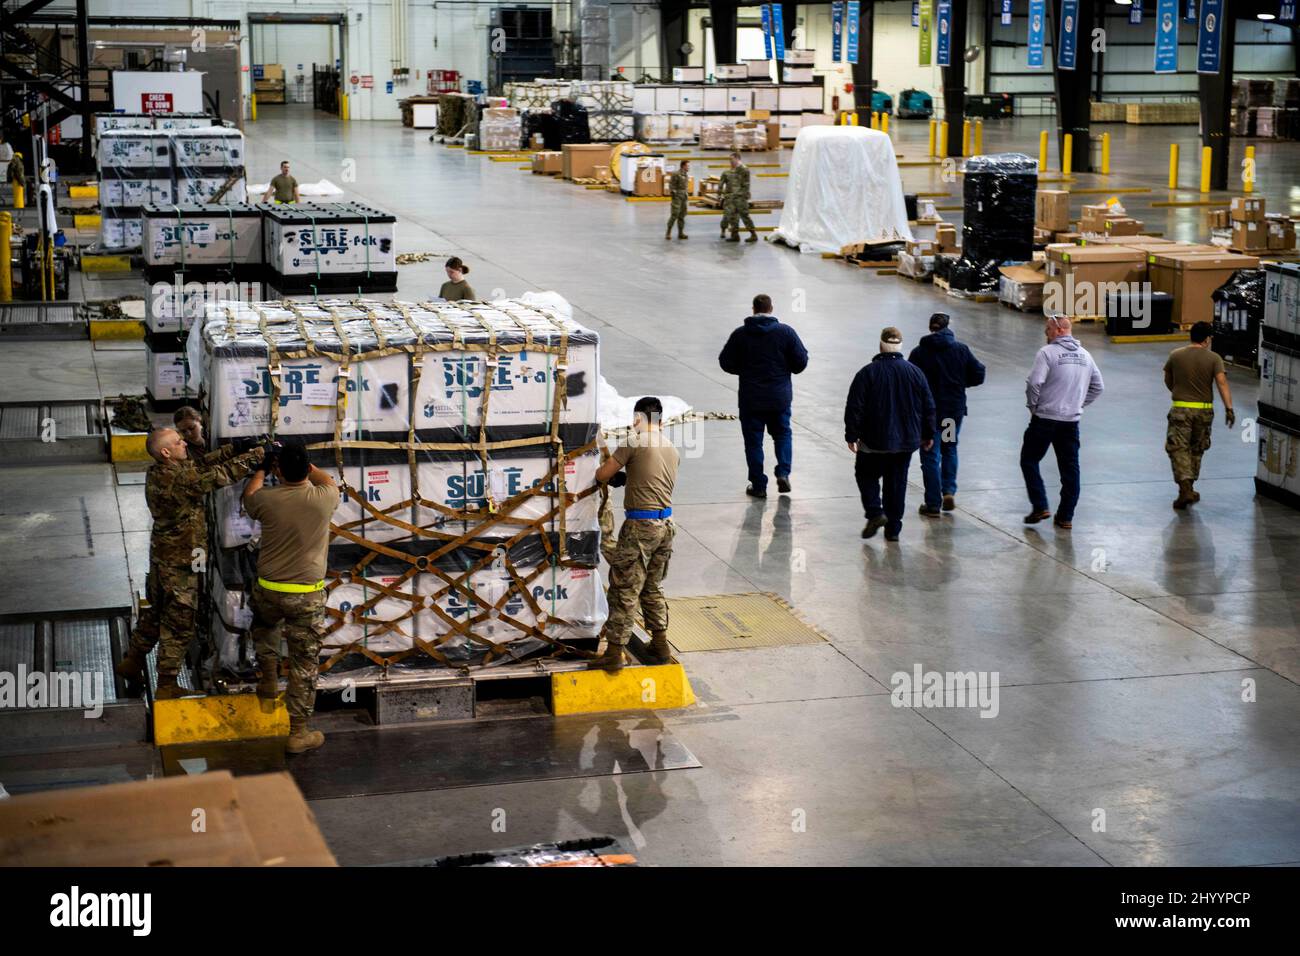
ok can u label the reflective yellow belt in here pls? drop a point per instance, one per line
(1194, 405)
(289, 588)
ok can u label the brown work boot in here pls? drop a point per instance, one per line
(949, 502)
(611, 660)
(753, 237)
(131, 667)
(1185, 495)
(268, 680)
(658, 651)
(734, 237)
(302, 738)
(169, 689)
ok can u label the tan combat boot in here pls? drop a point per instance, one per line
(302, 738)
(1185, 495)
(268, 680)
(611, 660)
(169, 689)
(658, 651)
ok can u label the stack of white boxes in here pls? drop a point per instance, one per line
(1278, 472)
(430, 380)
(313, 248)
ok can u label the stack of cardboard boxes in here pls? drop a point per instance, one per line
(268, 83)
(1249, 232)
(1109, 219)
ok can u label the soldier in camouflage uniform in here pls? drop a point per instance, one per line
(679, 188)
(175, 489)
(639, 561)
(735, 201)
(1191, 375)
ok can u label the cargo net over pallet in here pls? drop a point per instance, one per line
(465, 441)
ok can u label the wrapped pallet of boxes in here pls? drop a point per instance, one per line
(500, 129)
(999, 194)
(210, 166)
(190, 235)
(1277, 474)
(135, 169)
(175, 299)
(465, 440)
(310, 248)
(1021, 286)
(1239, 314)
(719, 134)
(168, 380)
(1281, 320)
(176, 121)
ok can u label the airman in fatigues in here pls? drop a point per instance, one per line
(735, 201)
(639, 562)
(175, 488)
(679, 188)
(1191, 375)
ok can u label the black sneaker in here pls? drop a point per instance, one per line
(872, 526)
(930, 512)
(1036, 516)
(891, 537)
(783, 485)
(761, 493)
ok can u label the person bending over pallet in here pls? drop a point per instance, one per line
(639, 561)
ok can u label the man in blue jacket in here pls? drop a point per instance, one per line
(950, 368)
(889, 414)
(765, 353)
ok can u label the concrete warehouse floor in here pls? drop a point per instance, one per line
(1122, 647)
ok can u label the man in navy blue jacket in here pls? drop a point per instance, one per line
(889, 414)
(950, 368)
(765, 353)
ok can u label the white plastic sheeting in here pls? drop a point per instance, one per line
(844, 189)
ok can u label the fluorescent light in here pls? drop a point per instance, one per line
(1125, 3)
(1265, 16)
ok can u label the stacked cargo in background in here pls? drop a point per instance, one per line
(1278, 473)
(268, 82)
(463, 437)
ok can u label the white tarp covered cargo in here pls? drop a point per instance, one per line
(844, 189)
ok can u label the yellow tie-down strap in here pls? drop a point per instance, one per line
(1193, 404)
(288, 587)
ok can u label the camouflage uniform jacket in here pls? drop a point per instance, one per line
(678, 186)
(175, 492)
(735, 183)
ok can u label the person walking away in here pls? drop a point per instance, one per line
(888, 415)
(640, 560)
(290, 590)
(1063, 381)
(679, 185)
(457, 288)
(284, 188)
(735, 201)
(1191, 372)
(175, 489)
(765, 352)
(950, 367)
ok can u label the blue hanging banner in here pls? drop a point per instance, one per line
(851, 32)
(1189, 11)
(1209, 37)
(837, 30)
(1006, 13)
(1287, 14)
(944, 16)
(1068, 45)
(1166, 36)
(778, 31)
(767, 31)
(916, 13)
(1037, 33)
(1135, 12)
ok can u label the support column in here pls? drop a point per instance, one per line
(723, 17)
(861, 71)
(1074, 87)
(673, 24)
(789, 20)
(83, 88)
(954, 76)
(1216, 103)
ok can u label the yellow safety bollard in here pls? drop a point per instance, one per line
(1207, 158)
(1173, 165)
(1105, 154)
(343, 106)
(1067, 154)
(6, 258)
(20, 196)
(853, 118)
(884, 123)
(979, 138)
(1248, 174)
(965, 137)
(875, 120)
(943, 138)
(934, 128)
(252, 107)
(1042, 151)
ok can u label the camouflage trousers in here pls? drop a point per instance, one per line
(677, 215)
(637, 569)
(170, 620)
(735, 213)
(1187, 439)
(300, 615)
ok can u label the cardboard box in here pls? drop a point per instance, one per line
(1195, 279)
(1042, 236)
(600, 173)
(773, 134)
(758, 114)
(1161, 263)
(945, 234)
(1247, 209)
(1069, 238)
(1123, 226)
(1281, 233)
(1080, 277)
(579, 160)
(548, 163)
(1250, 236)
(922, 247)
(249, 821)
(1052, 210)
(1022, 286)
(1220, 218)
(649, 182)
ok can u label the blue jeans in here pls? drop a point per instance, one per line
(939, 466)
(1063, 438)
(887, 472)
(776, 422)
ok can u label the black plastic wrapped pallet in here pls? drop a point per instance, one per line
(571, 122)
(1238, 314)
(968, 275)
(540, 123)
(998, 199)
(943, 266)
(909, 200)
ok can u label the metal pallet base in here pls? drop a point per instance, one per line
(43, 321)
(87, 643)
(51, 432)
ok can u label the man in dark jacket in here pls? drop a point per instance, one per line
(889, 414)
(765, 353)
(950, 368)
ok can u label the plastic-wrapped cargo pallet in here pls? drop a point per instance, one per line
(135, 169)
(210, 166)
(341, 247)
(465, 440)
(1278, 473)
(500, 129)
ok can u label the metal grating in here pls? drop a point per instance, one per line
(723, 622)
(35, 313)
(71, 421)
(17, 646)
(19, 421)
(86, 647)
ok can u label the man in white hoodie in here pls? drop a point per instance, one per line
(1062, 383)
